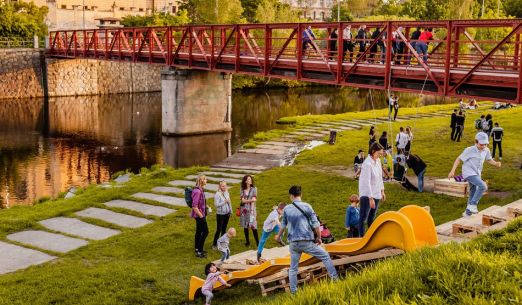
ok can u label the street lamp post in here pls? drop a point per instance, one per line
(83, 6)
(338, 10)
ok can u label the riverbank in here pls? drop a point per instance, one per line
(153, 264)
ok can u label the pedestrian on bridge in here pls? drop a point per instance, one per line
(332, 44)
(308, 38)
(348, 42)
(361, 39)
(472, 159)
(413, 39)
(304, 236)
(421, 47)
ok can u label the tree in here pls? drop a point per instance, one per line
(345, 12)
(22, 19)
(250, 9)
(214, 11)
(157, 19)
(513, 8)
(270, 11)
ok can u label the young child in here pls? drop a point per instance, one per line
(352, 217)
(271, 225)
(223, 244)
(213, 275)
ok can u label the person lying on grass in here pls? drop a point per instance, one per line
(213, 275)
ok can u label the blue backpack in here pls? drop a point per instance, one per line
(188, 196)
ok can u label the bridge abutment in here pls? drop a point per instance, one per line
(195, 102)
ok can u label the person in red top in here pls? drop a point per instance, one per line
(421, 47)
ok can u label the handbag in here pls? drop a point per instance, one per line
(238, 211)
(307, 218)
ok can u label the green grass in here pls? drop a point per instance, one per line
(484, 271)
(153, 264)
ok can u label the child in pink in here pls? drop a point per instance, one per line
(212, 277)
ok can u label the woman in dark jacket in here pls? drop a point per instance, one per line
(383, 140)
(372, 137)
(199, 213)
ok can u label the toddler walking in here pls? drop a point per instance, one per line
(352, 217)
(213, 275)
(223, 244)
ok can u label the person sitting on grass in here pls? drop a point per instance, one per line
(223, 244)
(352, 217)
(387, 165)
(271, 225)
(473, 158)
(213, 275)
(357, 163)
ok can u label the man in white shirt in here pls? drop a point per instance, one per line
(371, 187)
(271, 225)
(473, 158)
(401, 140)
(347, 42)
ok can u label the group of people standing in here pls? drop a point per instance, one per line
(363, 38)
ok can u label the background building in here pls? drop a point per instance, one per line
(77, 14)
(316, 10)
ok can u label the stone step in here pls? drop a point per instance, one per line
(277, 147)
(242, 170)
(176, 190)
(263, 151)
(14, 257)
(314, 131)
(362, 122)
(224, 174)
(217, 179)
(145, 209)
(243, 162)
(276, 143)
(122, 220)
(76, 227)
(210, 187)
(176, 201)
(48, 241)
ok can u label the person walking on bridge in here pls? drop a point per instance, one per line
(308, 37)
(304, 236)
(472, 159)
(348, 42)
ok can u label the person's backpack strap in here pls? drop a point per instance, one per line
(307, 217)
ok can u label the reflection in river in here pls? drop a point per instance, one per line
(47, 147)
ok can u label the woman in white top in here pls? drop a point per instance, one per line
(371, 187)
(223, 211)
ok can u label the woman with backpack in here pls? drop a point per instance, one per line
(223, 210)
(248, 216)
(199, 213)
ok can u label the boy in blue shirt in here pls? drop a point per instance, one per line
(352, 217)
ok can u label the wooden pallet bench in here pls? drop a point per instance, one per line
(451, 187)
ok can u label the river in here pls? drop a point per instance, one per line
(46, 147)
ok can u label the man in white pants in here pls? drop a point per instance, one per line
(473, 158)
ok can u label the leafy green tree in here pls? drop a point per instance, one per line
(389, 8)
(250, 9)
(345, 12)
(513, 7)
(22, 19)
(214, 11)
(270, 11)
(157, 19)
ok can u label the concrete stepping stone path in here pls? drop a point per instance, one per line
(76, 227)
(210, 186)
(176, 201)
(145, 209)
(14, 257)
(47, 241)
(177, 190)
(280, 143)
(224, 174)
(242, 170)
(217, 179)
(122, 220)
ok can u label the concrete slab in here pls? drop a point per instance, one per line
(76, 227)
(286, 144)
(15, 257)
(263, 151)
(224, 174)
(176, 201)
(236, 170)
(145, 209)
(210, 186)
(48, 241)
(122, 220)
(122, 178)
(276, 147)
(217, 179)
(168, 189)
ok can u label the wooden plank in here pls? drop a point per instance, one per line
(472, 223)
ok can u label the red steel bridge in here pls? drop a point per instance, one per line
(466, 58)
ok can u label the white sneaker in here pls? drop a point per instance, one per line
(472, 208)
(466, 213)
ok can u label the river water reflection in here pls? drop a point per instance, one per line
(47, 147)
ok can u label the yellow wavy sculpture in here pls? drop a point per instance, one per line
(408, 229)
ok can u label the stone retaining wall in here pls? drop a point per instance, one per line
(21, 76)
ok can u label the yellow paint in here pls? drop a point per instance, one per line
(408, 229)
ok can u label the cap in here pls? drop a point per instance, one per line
(482, 138)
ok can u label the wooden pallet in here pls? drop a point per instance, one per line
(472, 223)
(451, 187)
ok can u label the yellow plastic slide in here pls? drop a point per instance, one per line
(408, 229)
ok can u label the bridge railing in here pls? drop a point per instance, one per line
(461, 55)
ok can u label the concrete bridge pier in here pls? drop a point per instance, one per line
(195, 102)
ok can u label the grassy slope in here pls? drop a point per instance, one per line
(152, 265)
(484, 271)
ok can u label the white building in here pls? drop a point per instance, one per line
(315, 10)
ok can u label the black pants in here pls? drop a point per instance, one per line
(221, 227)
(354, 232)
(362, 48)
(458, 135)
(347, 46)
(499, 144)
(453, 133)
(395, 115)
(247, 237)
(201, 233)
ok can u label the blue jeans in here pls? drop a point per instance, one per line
(420, 180)
(264, 238)
(225, 255)
(422, 48)
(366, 213)
(477, 187)
(308, 247)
